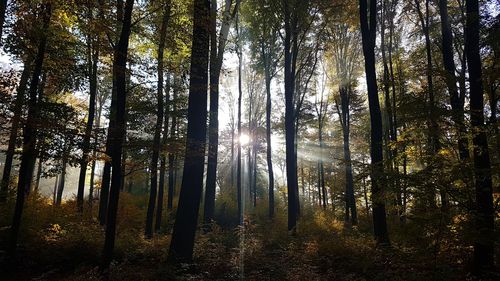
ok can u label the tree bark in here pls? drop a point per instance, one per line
(62, 179)
(28, 156)
(117, 129)
(457, 104)
(291, 164)
(484, 245)
(181, 246)
(148, 232)
(216, 59)
(171, 155)
(368, 34)
(93, 60)
(9, 155)
(239, 190)
(163, 161)
(268, 134)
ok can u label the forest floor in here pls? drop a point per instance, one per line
(58, 244)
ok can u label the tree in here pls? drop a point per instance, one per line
(484, 246)
(264, 36)
(216, 59)
(117, 129)
(182, 243)
(456, 99)
(28, 156)
(158, 127)
(239, 189)
(9, 155)
(368, 21)
(93, 42)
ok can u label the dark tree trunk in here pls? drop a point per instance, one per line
(62, 179)
(291, 164)
(106, 178)
(163, 161)
(9, 155)
(93, 60)
(181, 246)
(345, 120)
(457, 104)
(54, 191)
(117, 129)
(106, 173)
(216, 59)
(148, 232)
(28, 156)
(38, 175)
(171, 155)
(213, 130)
(268, 134)
(239, 190)
(369, 32)
(484, 246)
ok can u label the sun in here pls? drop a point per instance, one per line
(244, 139)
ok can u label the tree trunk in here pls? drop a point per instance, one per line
(171, 155)
(30, 133)
(268, 135)
(239, 190)
(368, 33)
(216, 59)
(148, 232)
(93, 60)
(163, 161)
(484, 246)
(117, 129)
(457, 105)
(54, 191)
(351, 211)
(291, 164)
(38, 175)
(62, 179)
(9, 155)
(181, 246)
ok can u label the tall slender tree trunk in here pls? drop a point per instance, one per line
(28, 156)
(268, 133)
(163, 161)
(433, 125)
(484, 245)
(291, 164)
(118, 131)
(93, 60)
(171, 156)
(18, 104)
(181, 246)
(148, 232)
(106, 173)
(213, 129)
(216, 59)
(368, 33)
(239, 190)
(457, 104)
(344, 114)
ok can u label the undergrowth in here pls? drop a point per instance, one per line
(56, 243)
